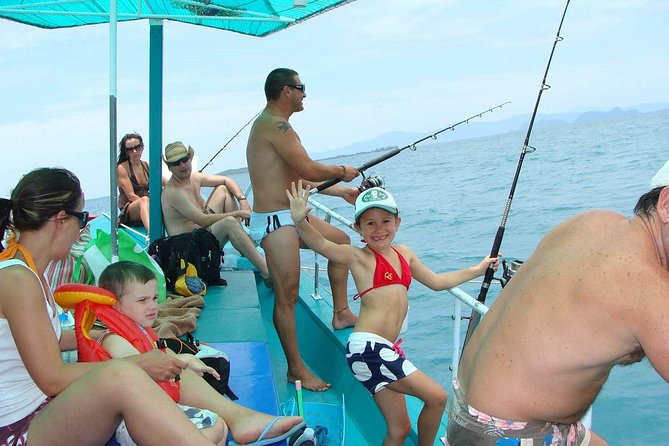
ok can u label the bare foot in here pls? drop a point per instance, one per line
(309, 380)
(268, 281)
(247, 427)
(343, 319)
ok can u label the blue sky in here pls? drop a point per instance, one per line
(371, 67)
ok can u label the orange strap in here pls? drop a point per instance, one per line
(10, 253)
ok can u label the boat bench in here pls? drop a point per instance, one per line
(231, 321)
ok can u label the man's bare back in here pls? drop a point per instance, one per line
(587, 281)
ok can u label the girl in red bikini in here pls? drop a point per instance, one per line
(383, 272)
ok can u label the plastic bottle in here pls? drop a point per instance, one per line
(66, 321)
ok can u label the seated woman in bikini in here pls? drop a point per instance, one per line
(133, 181)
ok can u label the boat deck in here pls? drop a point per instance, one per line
(238, 318)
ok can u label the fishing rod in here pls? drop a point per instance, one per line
(411, 146)
(229, 141)
(475, 316)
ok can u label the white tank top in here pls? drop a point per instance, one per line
(19, 395)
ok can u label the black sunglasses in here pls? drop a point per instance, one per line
(185, 159)
(82, 216)
(136, 148)
(301, 87)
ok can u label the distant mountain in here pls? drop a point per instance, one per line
(476, 129)
(604, 116)
(387, 141)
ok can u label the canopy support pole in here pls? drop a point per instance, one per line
(155, 127)
(113, 189)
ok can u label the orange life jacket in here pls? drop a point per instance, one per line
(87, 312)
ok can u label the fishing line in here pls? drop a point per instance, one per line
(411, 146)
(475, 316)
(229, 141)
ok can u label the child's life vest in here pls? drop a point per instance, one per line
(92, 303)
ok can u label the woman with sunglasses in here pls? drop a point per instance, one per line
(132, 175)
(42, 398)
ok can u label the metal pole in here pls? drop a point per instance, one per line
(113, 190)
(155, 127)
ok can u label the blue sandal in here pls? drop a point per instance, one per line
(263, 441)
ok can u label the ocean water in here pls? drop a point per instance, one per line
(452, 196)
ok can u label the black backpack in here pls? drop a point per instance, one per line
(199, 247)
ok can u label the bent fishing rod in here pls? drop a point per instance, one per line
(475, 316)
(411, 146)
(229, 141)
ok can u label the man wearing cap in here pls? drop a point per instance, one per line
(594, 294)
(276, 157)
(185, 210)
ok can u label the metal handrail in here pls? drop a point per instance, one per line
(331, 214)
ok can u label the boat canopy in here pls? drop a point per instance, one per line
(252, 17)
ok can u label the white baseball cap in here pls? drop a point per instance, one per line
(661, 178)
(375, 197)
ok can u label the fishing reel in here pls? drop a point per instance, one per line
(509, 269)
(374, 180)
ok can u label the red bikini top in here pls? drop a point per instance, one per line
(385, 274)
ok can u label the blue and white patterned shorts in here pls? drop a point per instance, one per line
(375, 361)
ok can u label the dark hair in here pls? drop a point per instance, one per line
(276, 80)
(122, 154)
(38, 196)
(116, 276)
(648, 202)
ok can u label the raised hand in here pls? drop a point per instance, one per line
(298, 197)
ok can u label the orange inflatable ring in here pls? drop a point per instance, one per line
(68, 295)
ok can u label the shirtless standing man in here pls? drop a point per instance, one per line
(594, 294)
(184, 209)
(276, 158)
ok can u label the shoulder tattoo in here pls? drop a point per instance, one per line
(283, 126)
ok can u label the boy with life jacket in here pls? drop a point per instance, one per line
(134, 286)
(382, 274)
(130, 319)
